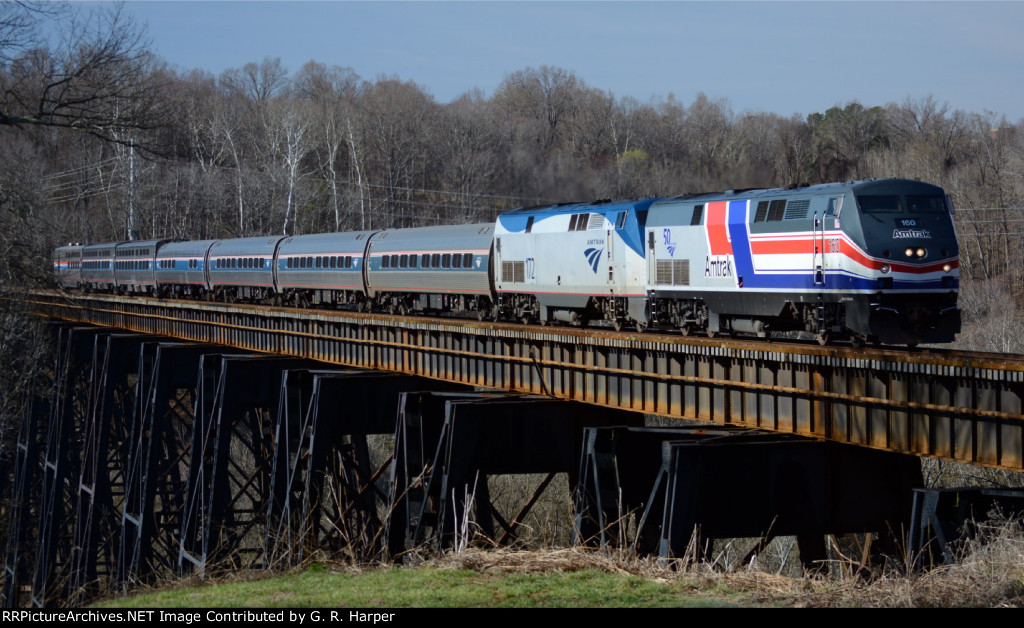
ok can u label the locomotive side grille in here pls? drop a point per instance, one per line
(762, 212)
(664, 272)
(797, 210)
(681, 272)
(673, 272)
(776, 210)
(513, 272)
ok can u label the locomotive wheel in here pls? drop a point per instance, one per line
(617, 325)
(823, 338)
(686, 329)
(641, 326)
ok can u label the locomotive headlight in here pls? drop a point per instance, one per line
(947, 268)
(921, 252)
(885, 269)
(909, 252)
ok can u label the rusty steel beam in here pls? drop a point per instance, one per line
(965, 407)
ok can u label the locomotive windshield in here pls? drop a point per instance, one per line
(880, 204)
(932, 204)
(892, 204)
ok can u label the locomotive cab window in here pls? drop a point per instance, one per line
(926, 204)
(833, 207)
(881, 204)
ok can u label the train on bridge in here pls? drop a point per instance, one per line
(861, 261)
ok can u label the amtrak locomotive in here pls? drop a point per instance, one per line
(873, 260)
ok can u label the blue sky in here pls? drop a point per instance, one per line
(772, 56)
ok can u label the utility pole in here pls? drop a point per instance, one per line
(133, 232)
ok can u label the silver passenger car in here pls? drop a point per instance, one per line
(243, 268)
(431, 268)
(134, 265)
(181, 267)
(67, 265)
(98, 266)
(323, 268)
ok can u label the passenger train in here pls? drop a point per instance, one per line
(862, 261)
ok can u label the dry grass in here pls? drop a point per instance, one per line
(989, 572)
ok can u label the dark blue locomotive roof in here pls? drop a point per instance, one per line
(872, 186)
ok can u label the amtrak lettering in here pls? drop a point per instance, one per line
(718, 266)
(911, 233)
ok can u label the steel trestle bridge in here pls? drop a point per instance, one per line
(189, 436)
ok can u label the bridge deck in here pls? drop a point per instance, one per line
(965, 407)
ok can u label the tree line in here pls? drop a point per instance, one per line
(101, 139)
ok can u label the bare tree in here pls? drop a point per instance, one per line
(395, 118)
(20, 30)
(333, 93)
(259, 82)
(547, 96)
(288, 131)
(99, 79)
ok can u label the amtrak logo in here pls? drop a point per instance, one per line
(593, 257)
(669, 244)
